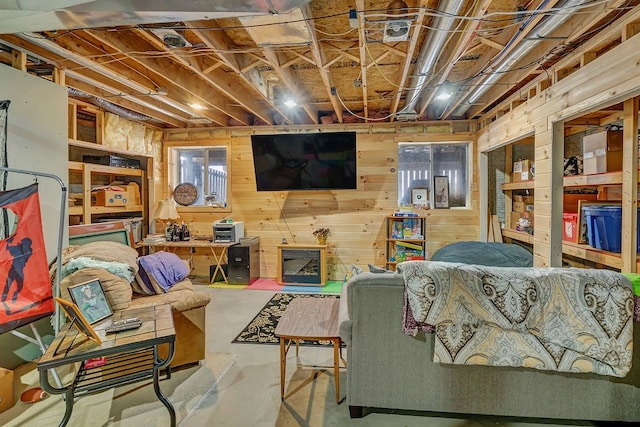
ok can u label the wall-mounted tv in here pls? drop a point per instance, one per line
(307, 161)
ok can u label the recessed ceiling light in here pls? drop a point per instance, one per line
(290, 103)
(197, 106)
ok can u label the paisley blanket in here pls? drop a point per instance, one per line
(561, 319)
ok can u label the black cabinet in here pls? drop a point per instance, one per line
(244, 263)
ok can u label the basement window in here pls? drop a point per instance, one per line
(418, 163)
(204, 167)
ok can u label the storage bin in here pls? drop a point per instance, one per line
(604, 227)
(570, 227)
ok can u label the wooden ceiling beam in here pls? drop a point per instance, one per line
(288, 78)
(215, 38)
(488, 42)
(196, 89)
(212, 80)
(345, 52)
(363, 59)
(318, 55)
(91, 73)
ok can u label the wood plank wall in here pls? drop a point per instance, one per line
(356, 217)
(608, 79)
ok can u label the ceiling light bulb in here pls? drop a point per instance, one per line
(443, 96)
(290, 103)
(197, 106)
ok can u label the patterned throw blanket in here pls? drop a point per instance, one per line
(561, 319)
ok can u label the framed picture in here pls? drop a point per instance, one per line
(77, 319)
(90, 299)
(582, 216)
(441, 192)
(420, 196)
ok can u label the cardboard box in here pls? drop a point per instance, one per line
(134, 193)
(521, 171)
(6, 389)
(110, 198)
(602, 152)
(519, 206)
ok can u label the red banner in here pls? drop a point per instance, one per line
(24, 272)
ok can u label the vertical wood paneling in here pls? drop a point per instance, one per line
(356, 217)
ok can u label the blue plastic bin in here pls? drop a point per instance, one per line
(604, 227)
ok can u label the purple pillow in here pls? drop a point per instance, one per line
(161, 270)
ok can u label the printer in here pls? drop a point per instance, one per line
(227, 232)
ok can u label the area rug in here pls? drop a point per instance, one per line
(264, 284)
(261, 330)
(132, 405)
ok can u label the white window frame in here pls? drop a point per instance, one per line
(468, 144)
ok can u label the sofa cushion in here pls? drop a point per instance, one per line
(182, 297)
(116, 289)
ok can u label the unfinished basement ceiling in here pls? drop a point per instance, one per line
(231, 63)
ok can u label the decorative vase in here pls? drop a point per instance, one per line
(322, 240)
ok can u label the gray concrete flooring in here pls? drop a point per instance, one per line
(249, 393)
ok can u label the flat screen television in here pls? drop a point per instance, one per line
(310, 161)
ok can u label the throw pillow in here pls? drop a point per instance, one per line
(159, 271)
(355, 270)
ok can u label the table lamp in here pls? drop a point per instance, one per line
(166, 212)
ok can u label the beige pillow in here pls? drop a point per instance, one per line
(116, 289)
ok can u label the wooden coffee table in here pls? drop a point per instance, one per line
(310, 318)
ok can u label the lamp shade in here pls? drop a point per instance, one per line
(166, 210)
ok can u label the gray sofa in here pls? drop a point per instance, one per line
(388, 369)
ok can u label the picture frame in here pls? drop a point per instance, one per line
(441, 192)
(420, 196)
(582, 217)
(78, 321)
(91, 300)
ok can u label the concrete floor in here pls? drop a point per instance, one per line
(249, 393)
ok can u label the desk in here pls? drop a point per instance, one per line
(132, 356)
(218, 250)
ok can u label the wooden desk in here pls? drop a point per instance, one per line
(310, 319)
(132, 356)
(219, 251)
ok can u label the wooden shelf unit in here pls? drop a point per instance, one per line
(87, 175)
(418, 228)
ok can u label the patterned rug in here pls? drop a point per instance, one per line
(261, 329)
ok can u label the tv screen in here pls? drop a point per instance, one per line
(313, 161)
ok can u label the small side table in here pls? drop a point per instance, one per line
(310, 318)
(132, 356)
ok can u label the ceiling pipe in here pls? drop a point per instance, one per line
(436, 38)
(50, 46)
(544, 30)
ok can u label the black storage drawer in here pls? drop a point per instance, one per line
(244, 263)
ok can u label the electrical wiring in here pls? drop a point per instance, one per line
(359, 116)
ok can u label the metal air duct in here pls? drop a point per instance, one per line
(431, 48)
(544, 30)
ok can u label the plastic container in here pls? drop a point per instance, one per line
(604, 227)
(570, 227)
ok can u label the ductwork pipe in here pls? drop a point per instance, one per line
(110, 107)
(544, 30)
(431, 48)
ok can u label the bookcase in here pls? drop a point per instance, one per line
(405, 239)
